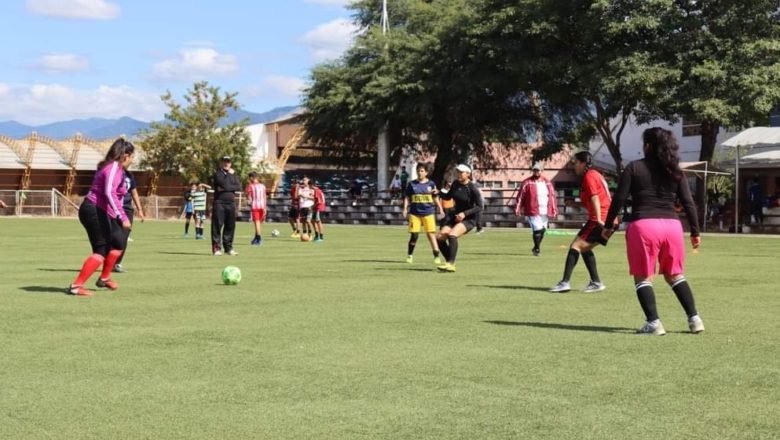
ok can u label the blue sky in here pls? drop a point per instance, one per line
(69, 59)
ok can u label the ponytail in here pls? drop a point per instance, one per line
(586, 158)
(663, 149)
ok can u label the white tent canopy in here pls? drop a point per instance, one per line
(755, 137)
(767, 139)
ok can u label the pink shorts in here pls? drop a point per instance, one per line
(654, 240)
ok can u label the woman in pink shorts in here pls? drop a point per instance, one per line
(654, 237)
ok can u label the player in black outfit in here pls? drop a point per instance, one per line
(461, 219)
(223, 213)
(130, 199)
(654, 237)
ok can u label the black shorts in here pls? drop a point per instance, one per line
(591, 232)
(305, 214)
(315, 216)
(294, 213)
(104, 233)
(449, 220)
(188, 215)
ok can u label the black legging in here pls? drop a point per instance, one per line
(104, 233)
(130, 213)
(223, 215)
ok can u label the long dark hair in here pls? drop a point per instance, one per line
(586, 158)
(119, 148)
(664, 149)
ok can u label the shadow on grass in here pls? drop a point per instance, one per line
(510, 254)
(552, 325)
(513, 287)
(43, 289)
(407, 269)
(374, 261)
(202, 254)
(48, 269)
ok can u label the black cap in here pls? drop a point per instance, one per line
(226, 159)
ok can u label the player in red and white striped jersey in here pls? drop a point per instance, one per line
(255, 193)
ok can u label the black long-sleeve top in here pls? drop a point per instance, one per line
(225, 186)
(653, 194)
(468, 199)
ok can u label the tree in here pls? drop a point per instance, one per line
(190, 142)
(432, 81)
(728, 56)
(595, 56)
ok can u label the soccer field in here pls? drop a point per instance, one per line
(343, 340)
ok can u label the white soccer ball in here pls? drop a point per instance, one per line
(275, 233)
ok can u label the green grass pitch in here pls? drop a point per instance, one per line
(343, 340)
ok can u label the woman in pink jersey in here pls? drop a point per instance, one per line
(103, 217)
(654, 237)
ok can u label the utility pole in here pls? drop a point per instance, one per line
(383, 140)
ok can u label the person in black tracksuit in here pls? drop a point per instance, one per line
(131, 198)
(463, 217)
(223, 214)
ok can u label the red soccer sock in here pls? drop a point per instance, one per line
(88, 268)
(108, 264)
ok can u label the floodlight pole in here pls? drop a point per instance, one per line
(383, 139)
(736, 193)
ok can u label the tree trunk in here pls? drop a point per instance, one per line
(604, 129)
(709, 136)
(441, 138)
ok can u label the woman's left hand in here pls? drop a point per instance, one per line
(459, 217)
(607, 233)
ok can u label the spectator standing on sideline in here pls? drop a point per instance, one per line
(395, 187)
(131, 198)
(756, 199)
(655, 234)
(188, 208)
(595, 197)
(255, 194)
(355, 191)
(223, 214)
(104, 219)
(404, 177)
(199, 207)
(536, 201)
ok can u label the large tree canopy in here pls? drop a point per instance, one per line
(597, 56)
(190, 142)
(454, 75)
(432, 81)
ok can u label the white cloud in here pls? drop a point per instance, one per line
(74, 9)
(329, 2)
(44, 103)
(329, 40)
(62, 63)
(195, 64)
(277, 87)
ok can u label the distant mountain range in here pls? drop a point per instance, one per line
(99, 128)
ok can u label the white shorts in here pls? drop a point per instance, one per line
(537, 222)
